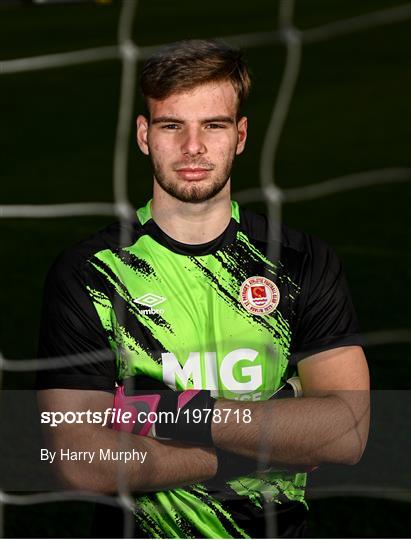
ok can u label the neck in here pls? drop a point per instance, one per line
(191, 223)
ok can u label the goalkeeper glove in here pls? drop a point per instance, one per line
(232, 465)
(164, 413)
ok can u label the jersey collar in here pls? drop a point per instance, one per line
(151, 228)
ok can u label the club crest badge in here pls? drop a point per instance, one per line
(259, 295)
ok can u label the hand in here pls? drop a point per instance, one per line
(165, 414)
(231, 465)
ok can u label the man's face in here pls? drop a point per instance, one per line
(192, 139)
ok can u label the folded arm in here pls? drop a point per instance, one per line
(167, 465)
(328, 425)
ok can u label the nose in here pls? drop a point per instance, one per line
(193, 143)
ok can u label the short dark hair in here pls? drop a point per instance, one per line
(184, 65)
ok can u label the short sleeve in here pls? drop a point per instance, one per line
(70, 326)
(325, 317)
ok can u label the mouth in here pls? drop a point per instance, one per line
(193, 173)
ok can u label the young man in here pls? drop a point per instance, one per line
(185, 297)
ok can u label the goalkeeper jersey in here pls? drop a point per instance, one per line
(233, 316)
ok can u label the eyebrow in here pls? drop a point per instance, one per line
(172, 120)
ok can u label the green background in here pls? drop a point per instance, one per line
(350, 113)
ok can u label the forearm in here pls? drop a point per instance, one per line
(298, 432)
(166, 465)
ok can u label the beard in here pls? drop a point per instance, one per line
(192, 191)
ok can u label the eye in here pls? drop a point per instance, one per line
(170, 126)
(215, 126)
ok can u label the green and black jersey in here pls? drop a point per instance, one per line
(220, 316)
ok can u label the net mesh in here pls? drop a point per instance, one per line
(129, 54)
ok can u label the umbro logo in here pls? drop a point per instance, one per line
(150, 300)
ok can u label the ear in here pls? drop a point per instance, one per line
(242, 134)
(142, 130)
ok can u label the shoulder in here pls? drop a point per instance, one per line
(73, 259)
(308, 246)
